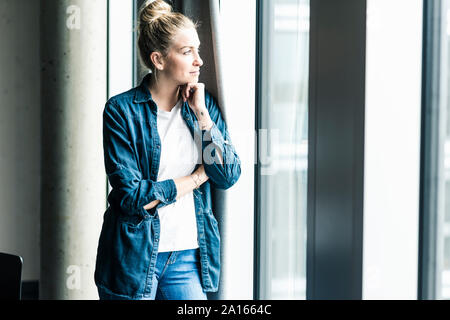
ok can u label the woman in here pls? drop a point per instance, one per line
(165, 143)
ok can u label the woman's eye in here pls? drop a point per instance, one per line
(189, 51)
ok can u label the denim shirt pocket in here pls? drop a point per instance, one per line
(134, 246)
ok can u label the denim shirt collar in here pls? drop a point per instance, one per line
(143, 93)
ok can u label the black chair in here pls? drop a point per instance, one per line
(10, 276)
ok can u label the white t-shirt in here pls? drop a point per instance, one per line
(179, 155)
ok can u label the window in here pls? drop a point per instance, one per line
(282, 148)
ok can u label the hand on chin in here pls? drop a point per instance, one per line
(194, 94)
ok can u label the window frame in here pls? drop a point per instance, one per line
(334, 262)
(429, 166)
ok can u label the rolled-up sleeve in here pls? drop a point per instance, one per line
(223, 170)
(129, 191)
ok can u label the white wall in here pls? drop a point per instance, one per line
(20, 136)
(392, 149)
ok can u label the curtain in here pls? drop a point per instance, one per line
(206, 13)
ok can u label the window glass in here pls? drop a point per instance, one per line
(283, 145)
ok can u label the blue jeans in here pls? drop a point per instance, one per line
(176, 277)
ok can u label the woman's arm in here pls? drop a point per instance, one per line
(185, 185)
(222, 164)
(130, 191)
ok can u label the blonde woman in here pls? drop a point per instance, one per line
(165, 144)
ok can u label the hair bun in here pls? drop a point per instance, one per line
(154, 9)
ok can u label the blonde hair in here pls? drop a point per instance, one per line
(157, 27)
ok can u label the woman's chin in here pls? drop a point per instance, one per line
(194, 79)
(189, 79)
(195, 75)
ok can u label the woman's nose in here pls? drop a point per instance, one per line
(198, 61)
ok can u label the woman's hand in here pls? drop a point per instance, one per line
(194, 94)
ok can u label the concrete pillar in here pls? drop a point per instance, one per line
(73, 194)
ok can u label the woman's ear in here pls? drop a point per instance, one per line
(157, 59)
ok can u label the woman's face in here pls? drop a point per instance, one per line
(183, 62)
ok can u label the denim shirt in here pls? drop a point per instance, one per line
(128, 243)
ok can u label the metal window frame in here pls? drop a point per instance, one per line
(257, 188)
(429, 167)
(336, 149)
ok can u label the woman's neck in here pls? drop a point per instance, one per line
(164, 92)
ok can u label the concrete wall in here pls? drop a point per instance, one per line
(20, 133)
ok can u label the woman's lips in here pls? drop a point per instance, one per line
(195, 73)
